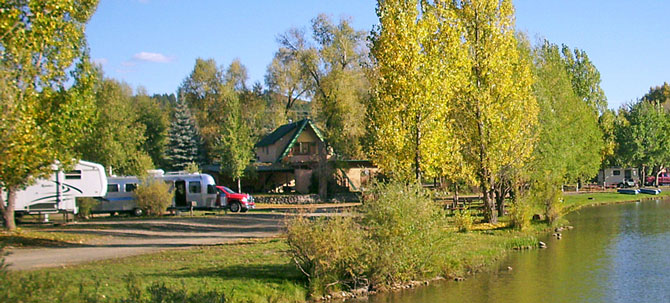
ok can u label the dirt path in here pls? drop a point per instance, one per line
(122, 238)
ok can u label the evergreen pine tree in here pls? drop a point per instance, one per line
(183, 147)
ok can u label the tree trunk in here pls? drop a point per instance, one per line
(644, 177)
(239, 185)
(417, 150)
(455, 196)
(322, 170)
(8, 211)
(490, 214)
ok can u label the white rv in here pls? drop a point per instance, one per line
(200, 188)
(618, 176)
(58, 192)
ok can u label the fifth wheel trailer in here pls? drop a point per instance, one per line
(58, 192)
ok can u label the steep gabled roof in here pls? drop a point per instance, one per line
(278, 134)
(285, 129)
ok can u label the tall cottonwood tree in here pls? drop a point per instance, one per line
(41, 120)
(418, 69)
(569, 139)
(498, 110)
(332, 64)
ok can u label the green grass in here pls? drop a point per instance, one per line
(575, 201)
(245, 272)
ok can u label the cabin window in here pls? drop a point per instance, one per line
(130, 187)
(194, 187)
(73, 175)
(304, 148)
(112, 188)
(211, 189)
(616, 172)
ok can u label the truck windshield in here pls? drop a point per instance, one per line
(228, 190)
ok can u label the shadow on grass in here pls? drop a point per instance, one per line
(30, 242)
(262, 272)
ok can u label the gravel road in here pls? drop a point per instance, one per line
(122, 237)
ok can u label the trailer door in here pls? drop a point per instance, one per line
(180, 193)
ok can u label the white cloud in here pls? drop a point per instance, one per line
(100, 61)
(152, 57)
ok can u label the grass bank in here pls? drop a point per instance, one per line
(255, 271)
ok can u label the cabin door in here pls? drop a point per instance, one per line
(627, 175)
(180, 193)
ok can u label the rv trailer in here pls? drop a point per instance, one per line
(187, 187)
(58, 192)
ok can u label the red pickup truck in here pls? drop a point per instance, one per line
(663, 179)
(227, 198)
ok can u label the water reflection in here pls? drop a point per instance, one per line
(616, 253)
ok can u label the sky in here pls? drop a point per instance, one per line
(153, 44)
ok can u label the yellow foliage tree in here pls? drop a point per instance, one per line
(497, 108)
(419, 68)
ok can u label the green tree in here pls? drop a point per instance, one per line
(116, 137)
(585, 78)
(498, 110)
(183, 139)
(155, 117)
(416, 75)
(570, 140)
(286, 78)
(42, 120)
(235, 141)
(203, 92)
(643, 136)
(332, 63)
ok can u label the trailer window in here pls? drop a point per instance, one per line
(194, 187)
(112, 188)
(616, 172)
(73, 175)
(211, 189)
(131, 187)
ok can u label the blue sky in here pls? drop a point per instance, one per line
(154, 43)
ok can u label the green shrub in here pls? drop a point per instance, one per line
(463, 219)
(405, 227)
(85, 205)
(153, 196)
(521, 212)
(329, 251)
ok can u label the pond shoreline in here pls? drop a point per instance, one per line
(578, 201)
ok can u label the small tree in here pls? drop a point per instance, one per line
(153, 196)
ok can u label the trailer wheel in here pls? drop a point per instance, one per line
(137, 212)
(235, 207)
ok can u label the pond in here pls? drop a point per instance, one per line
(615, 253)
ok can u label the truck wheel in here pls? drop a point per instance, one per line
(137, 212)
(235, 207)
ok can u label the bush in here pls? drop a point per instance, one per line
(521, 212)
(405, 226)
(153, 196)
(85, 205)
(397, 238)
(330, 252)
(463, 219)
